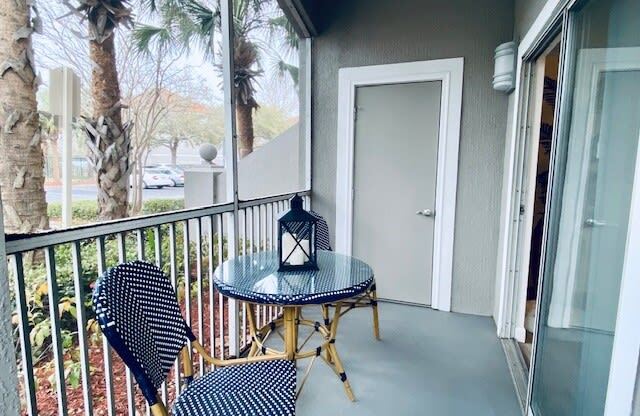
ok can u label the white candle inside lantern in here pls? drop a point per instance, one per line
(288, 244)
(299, 257)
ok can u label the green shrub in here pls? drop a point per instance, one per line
(80, 210)
(155, 206)
(87, 211)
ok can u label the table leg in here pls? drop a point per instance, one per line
(333, 353)
(290, 342)
(327, 322)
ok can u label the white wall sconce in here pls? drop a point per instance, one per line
(505, 67)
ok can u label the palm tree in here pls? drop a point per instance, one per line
(108, 139)
(186, 20)
(22, 162)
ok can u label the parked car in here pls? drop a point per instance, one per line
(151, 179)
(176, 174)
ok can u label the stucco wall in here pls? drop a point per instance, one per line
(272, 169)
(277, 167)
(360, 32)
(526, 12)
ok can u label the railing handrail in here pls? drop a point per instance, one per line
(20, 243)
(272, 198)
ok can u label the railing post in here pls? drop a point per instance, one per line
(9, 398)
(231, 152)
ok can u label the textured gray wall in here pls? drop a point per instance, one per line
(360, 32)
(526, 12)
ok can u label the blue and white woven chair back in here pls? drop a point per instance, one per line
(323, 240)
(322, 229)
(138, 312)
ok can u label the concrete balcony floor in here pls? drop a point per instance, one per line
(428, 363)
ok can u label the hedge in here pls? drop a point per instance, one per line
(80, 210)
(155, 206)
(87, 211)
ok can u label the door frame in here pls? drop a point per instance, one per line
(626, 342)
(509, 282)
(626, 345)
(450, 73)
(525, 184)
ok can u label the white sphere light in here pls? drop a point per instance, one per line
(208, 152)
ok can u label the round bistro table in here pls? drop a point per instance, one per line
(255, 280)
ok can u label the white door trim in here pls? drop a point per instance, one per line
(450, 73)
(506, 280)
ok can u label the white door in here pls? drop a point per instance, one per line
(395, 164)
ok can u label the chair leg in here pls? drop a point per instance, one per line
(158, 409)
(335, 358)
(374, 306)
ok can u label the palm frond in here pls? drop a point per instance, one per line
(281, 26)
(293, 71)
(145, 35)
(103, 16)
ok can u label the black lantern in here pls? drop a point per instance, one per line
(297, 239)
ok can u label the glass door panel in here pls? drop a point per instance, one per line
(595, 165)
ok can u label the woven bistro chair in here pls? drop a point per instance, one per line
(138, 312)
(366, 300)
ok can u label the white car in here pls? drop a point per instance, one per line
(155, 180)
(175, 175)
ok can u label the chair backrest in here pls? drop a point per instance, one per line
(323, 239)
(138, 312)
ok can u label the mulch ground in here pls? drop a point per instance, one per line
(46, 392)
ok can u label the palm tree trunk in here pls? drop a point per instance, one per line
(22, 161)
(244, 117)
(109, 141)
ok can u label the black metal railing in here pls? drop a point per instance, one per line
(61, 353)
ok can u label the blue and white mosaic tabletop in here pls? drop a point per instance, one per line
(255, 278)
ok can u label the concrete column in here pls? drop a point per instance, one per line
(200, 190)
(200, 186)
(9, 398)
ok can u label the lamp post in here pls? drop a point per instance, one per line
(64, 99)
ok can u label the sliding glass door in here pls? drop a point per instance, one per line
(596, 157)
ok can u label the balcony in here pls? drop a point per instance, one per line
(481, 156)
(446, 363)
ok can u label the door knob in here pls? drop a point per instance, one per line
(592, 222)
(426, 213)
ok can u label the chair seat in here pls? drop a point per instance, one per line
(265, 388)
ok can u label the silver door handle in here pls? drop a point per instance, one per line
(592, 222)
(426, 213)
